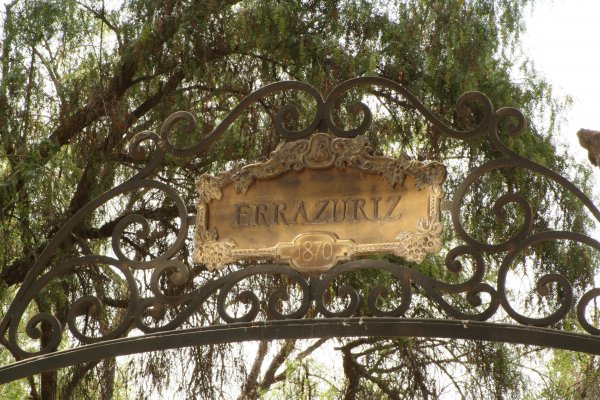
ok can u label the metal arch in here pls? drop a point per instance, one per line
(295, 323)
(305, 329)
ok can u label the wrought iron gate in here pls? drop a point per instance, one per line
(143, 326)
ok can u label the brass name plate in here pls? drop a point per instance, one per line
(318, 201)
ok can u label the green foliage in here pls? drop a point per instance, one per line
(78, 79)
(306, 379)
(571, 376)
(13, 390)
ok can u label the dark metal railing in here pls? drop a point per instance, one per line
(310, 314)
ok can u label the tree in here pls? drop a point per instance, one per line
(80, 78)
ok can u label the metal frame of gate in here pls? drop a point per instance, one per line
(311, 315)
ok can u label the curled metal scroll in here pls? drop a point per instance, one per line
(314, 298)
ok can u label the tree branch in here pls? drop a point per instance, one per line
(302, 356)
(101, 15)
(276, 362)
(78, 374)
(151, 102)
(249, 390)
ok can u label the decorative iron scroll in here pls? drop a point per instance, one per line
(310, 310)
(324, 154)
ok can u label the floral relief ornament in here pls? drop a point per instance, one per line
(319, 152)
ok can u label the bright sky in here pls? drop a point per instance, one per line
(563, 41)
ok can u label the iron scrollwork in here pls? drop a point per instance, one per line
(301, 306)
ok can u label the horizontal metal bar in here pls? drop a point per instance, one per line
(304, 329)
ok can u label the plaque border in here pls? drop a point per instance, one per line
(318, 152)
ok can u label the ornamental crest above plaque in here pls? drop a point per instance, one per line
(316, 202)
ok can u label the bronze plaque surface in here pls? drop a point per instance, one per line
(316, 202)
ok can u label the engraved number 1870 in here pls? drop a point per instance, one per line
(309, 250)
